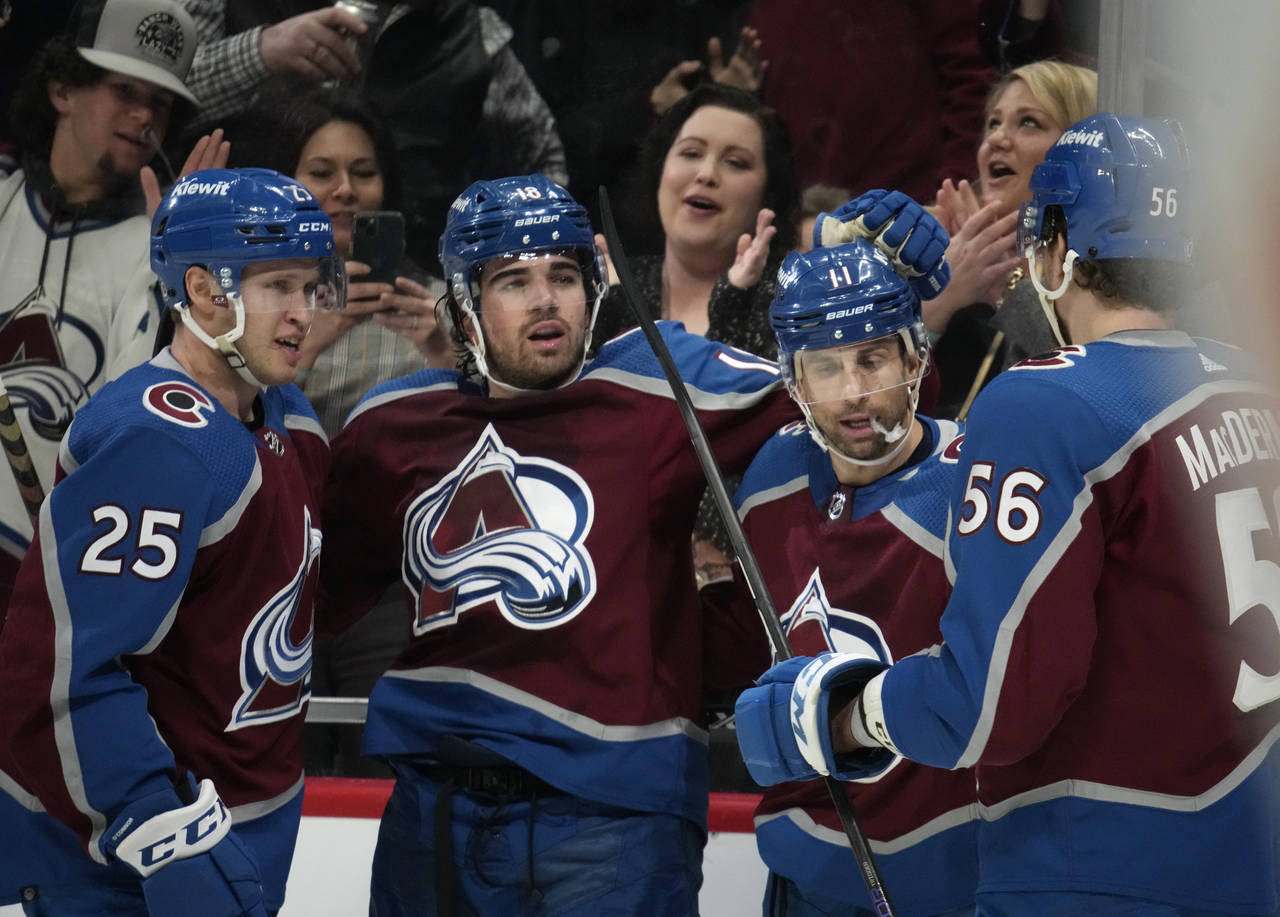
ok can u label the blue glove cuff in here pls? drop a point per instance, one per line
(764, 735)
(810, 715)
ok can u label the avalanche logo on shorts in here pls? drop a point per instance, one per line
(501, 528)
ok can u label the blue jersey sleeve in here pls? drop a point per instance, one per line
(1025, 546)
(715, 368)
(116, 543)
(714, 373)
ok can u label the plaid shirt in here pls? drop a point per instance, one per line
(227, 72)
(366, 355)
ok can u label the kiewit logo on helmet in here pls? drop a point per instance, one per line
(537, 221)
(1083, 138)
(219, 188)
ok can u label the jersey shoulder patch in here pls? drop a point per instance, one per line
(179, 402)
(1059, 358)
(156, 403)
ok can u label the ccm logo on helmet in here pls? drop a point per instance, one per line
(537, 221)
(1083, 138)
(313, 227)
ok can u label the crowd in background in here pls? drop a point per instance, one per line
(721, 128)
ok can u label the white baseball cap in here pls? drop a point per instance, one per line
(153, 40)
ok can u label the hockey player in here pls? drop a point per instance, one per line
(544, 721)
(1110, 647)
(847, 518)
(155, 662)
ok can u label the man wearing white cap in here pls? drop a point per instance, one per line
(76, 305)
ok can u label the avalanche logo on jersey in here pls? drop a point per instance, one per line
(35, 363)
(853, 633)
(270, 656)
(842, 631)
(501, 528)
(178, 402)
(1058, 358)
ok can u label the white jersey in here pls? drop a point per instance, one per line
(76, 309)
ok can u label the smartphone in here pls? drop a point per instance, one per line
(377, 239)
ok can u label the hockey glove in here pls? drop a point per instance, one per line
(783, 723)
(908, 235)
(187, 858)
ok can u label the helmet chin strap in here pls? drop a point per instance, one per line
(1049, 297)
(225, 342)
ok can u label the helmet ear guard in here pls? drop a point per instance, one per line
(464, 303)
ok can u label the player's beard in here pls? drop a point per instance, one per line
(890, 411)
(526, 369)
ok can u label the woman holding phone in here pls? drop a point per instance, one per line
(342, 152)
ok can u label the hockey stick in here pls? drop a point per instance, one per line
(19, 456)
(746, 557)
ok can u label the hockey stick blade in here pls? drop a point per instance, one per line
(746, 557)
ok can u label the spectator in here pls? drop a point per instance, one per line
(608, 68)
(78, 310)
(442, 74)
(1027, 111)
(715, 173)
(716, 184)
(156, 657)
(338, 146)
(24, 29)
(543, 723)
(334, 143)
(902, 86)
(814, 200)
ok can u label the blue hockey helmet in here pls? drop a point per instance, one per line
(1121, 184)
(223, 220)
(831, 307)
(833, 297)
(504, 217)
